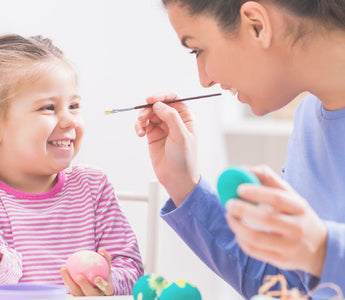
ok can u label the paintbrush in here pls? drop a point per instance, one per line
(113, 111)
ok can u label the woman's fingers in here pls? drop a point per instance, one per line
(161, 97)
(263, 217)
(171, 118)
(287, 202)
(146, 115)
(266, 246)
(269, 178)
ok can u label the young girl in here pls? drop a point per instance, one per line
(49, 210)
(269, 51)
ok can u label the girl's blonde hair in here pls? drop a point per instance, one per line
(21, 60)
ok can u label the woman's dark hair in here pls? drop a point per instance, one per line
(330, 13)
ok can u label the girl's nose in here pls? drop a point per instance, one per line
(204, 79)
(67, 119)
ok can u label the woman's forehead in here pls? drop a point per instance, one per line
(189, 26)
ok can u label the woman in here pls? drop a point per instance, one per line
(268, 52)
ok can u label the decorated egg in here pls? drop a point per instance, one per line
(89, 264)
(181, 290)
(229, 181)
(148, 287)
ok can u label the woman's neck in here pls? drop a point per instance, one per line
(322, 68)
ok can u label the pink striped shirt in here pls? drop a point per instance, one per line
(39, 231)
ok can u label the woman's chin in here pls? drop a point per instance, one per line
(259, 111)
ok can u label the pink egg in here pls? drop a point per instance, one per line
(88, 263)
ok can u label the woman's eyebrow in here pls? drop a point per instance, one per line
(184, 39)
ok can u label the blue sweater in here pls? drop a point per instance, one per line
(315, 167)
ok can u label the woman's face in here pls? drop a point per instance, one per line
(261, 75)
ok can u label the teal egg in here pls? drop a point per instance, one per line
(181, 290)
(229, 181)
(148, 287)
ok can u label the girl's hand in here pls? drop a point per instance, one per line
(171, 135)
(296, 238)
(84, 288)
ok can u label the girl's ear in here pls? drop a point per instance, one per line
(256, 19)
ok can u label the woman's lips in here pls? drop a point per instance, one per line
(233, 91)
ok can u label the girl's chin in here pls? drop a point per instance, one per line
(61, 165)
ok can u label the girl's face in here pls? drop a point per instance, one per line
(241, 61)
(43, 129)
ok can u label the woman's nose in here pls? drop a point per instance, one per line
(204, 78)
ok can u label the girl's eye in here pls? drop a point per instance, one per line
(74, 106)
(196, 52)
(48, 107)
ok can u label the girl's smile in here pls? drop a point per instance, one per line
(62, 147)
(45, 118)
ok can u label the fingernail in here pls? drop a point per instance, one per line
(101, 284)
(241, 189)
(159, 97)
(228, 205)
(158, 105)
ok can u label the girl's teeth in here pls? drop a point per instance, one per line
(61, 143)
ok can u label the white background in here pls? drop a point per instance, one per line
(124, 51)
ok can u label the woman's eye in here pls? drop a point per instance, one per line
(196, 52)
(74, 106)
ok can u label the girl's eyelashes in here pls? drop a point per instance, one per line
(52, 107)
(48, 107)
(195, 52)
(75, 105)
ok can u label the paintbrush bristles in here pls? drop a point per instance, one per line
(108, 112)
(112, 111)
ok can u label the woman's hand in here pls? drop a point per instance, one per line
(84, 288)
(296, 237)
(171, 135)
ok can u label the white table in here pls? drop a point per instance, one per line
(102, 298)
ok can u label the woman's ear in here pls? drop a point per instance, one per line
(256, 19)
(1, 133)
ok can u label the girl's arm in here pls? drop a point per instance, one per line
(115, 235)
(10, 263)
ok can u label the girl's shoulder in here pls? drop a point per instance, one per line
(83, 171)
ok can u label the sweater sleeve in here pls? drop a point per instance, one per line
(334, 266)
(11, 263)
(200, 222)
(114, 234)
